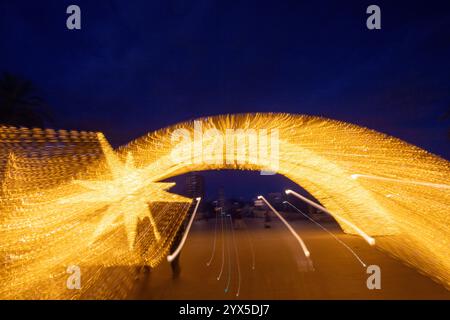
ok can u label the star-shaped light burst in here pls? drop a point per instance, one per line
(127, 194)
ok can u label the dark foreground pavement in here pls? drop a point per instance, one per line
(281, 271)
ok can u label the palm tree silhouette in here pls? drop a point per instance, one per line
(19, 103)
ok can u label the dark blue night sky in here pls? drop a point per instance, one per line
(136, 66)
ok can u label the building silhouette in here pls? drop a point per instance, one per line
(195, 185)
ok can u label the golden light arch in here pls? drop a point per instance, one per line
(69, 198)
(392, 190)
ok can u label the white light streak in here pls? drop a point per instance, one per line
(300, 241)
(332, 234)
(365, 236)
(171, 257)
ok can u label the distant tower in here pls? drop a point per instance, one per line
(195, 185)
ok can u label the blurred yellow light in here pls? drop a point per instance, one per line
(68, 198)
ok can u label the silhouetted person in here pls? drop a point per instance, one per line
(238, 223)
(266, 219)
(143, 241)
(175, 263)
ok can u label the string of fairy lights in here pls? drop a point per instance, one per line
(90, 218)
(68, 198)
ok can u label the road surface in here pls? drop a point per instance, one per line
(281, 271)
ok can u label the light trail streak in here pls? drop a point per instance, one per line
(228, 255)
(419, 183)
(300, 241)
(223, 248)
(183, 240)
(214, 244)
(250, 242)
(237, 259)
(365, 236)
(332, 234)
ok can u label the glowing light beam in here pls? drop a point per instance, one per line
(57, 187)
(365, 236)
(329, 232)
(172, 256)
(300, 241)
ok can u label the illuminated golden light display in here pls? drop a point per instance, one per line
(67, 198)
(104, 215)
(127, 193)
(409, 221)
